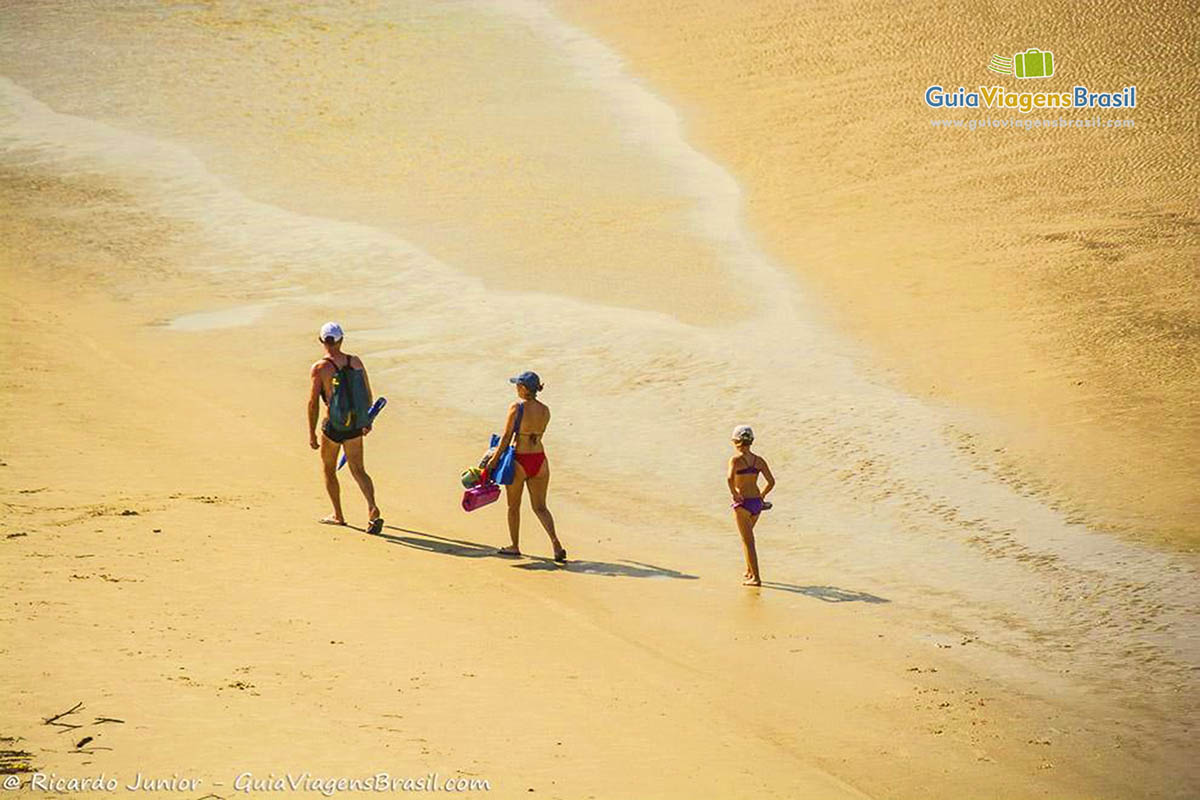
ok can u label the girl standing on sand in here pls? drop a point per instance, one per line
(748, 503)
(527, 422)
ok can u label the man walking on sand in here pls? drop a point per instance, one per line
(340, 381)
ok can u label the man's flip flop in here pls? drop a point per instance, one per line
(375, 526)
(561, 556)
(508, 551)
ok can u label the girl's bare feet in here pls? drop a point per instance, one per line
(752, 582)
(332, 519)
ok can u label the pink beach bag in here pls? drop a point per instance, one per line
(481, 495)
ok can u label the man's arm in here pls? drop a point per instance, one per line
(729, 478)
(314, 403)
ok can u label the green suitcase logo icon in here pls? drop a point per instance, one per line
(1033, 63)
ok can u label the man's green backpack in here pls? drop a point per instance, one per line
(349, 404)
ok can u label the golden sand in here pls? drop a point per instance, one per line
(187, 191)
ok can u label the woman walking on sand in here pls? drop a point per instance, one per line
(748, 502)
(527, 422)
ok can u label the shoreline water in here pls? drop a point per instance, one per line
(856, 487)
(1069, 334)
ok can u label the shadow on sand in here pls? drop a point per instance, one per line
(624, 569)
(461, 548)
(829, 594)
(432, 543)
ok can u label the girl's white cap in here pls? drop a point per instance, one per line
(743, 433)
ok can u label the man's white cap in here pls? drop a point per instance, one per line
(331, 330)
(743, 433)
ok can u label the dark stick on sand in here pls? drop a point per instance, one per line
(70, 710)
(65, 726)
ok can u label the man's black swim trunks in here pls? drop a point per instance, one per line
(340, 436)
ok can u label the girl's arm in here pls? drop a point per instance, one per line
(766, 471)
(729, 478)
(506, 438)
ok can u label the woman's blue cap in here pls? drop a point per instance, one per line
(529, 380)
